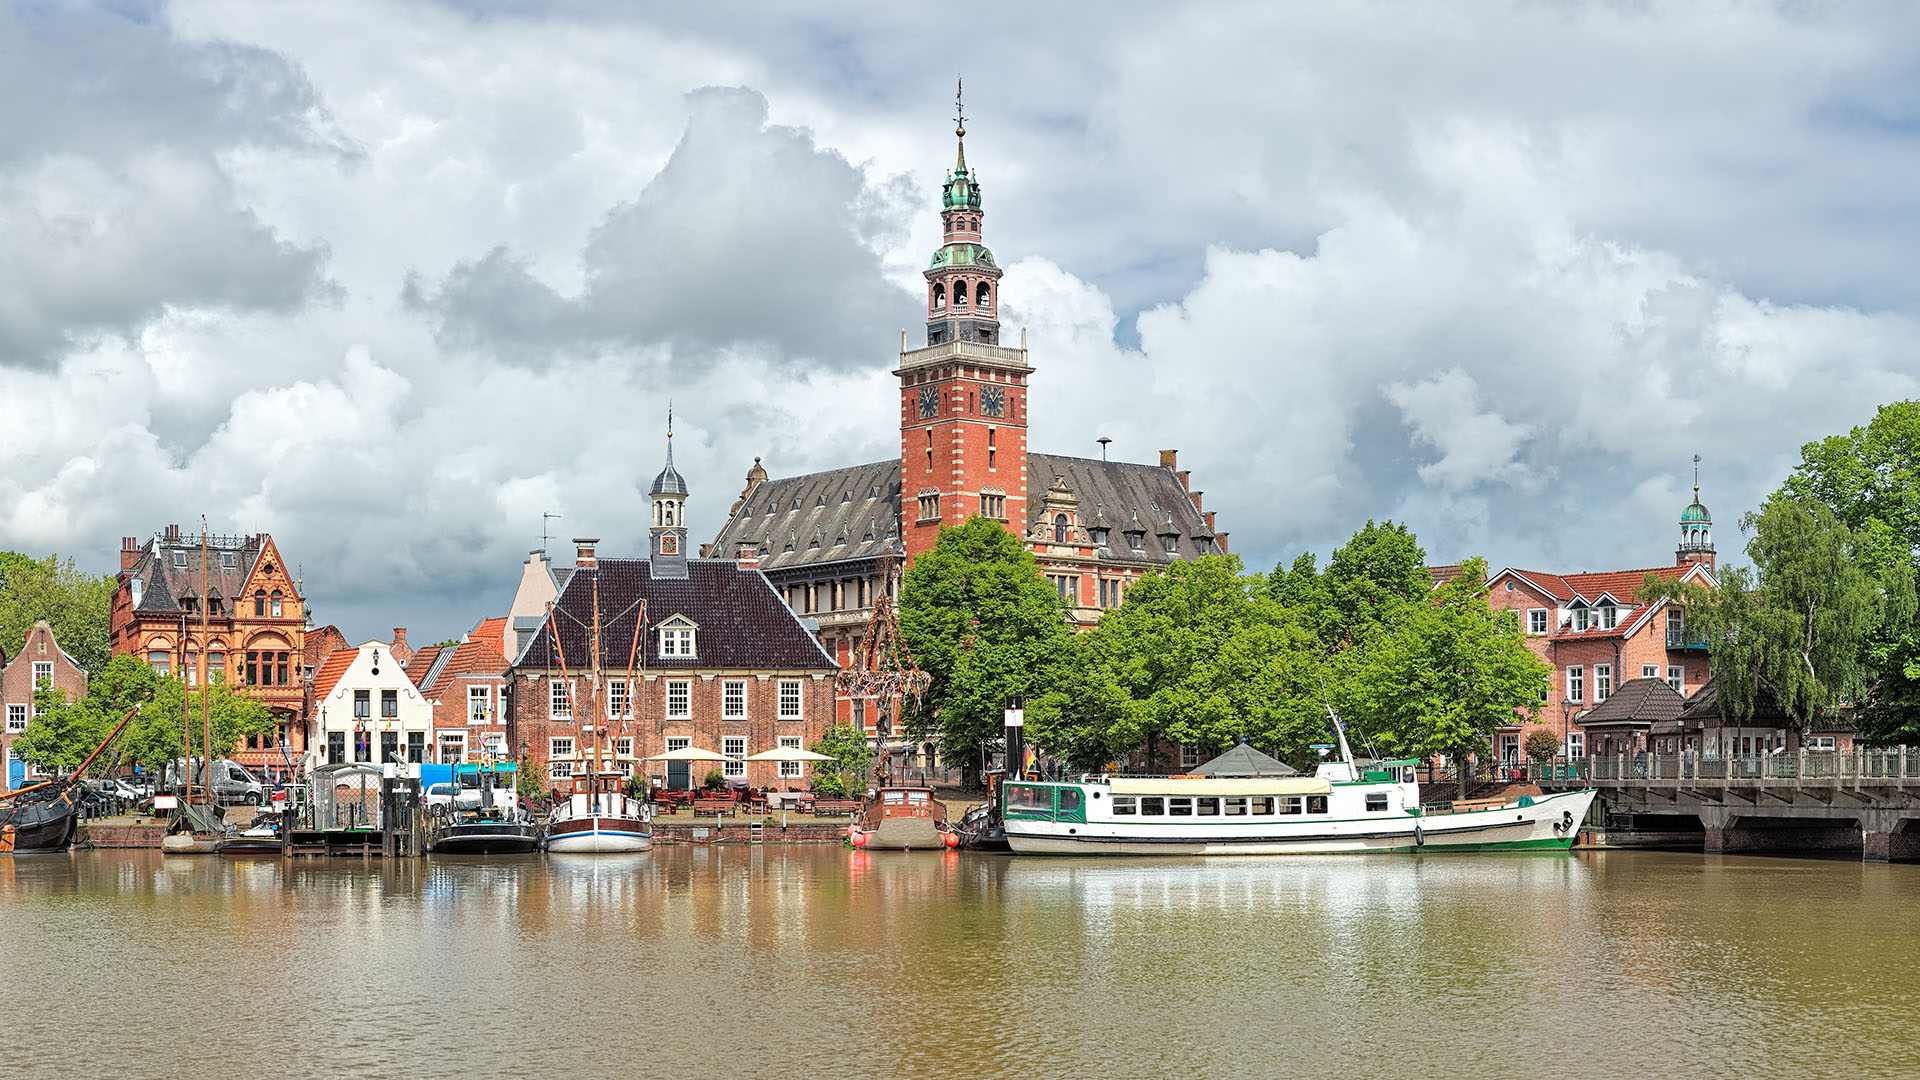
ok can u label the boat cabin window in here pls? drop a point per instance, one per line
(894, 797)
(1207, 807)
(1125, 804)
(1153, 805)
(916, 796)
(1316, 804)
(1291, 804)
(1236, 806)
(1376, 802)
(1027, 799)
(1261, 804)
(1070, 800)
(1179, 806)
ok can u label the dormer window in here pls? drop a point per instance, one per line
(1204, 544)
(1136, 539)
(179, 560)
(1579, 618)
(1171, 541)
(227, 560)
(1609, 616)
(1099, 535)
(676, 638)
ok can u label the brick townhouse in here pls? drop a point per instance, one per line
(40, 664)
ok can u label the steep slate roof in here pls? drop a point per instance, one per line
(742, 623)
(320, 643)
(860, 504)
(162, 584)
(1637, 701)
(332, 672)
(1703, 710)
(862, 501)
(1121, 495)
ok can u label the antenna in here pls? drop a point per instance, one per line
(546, 516)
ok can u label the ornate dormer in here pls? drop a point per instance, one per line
(667, 533)
(1696, 528)
(963, 281)
(1058, 521)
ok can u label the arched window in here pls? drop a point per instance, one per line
(939, 296)
(259, 602)
(981, 300)
(959, 294)
(1062, 532)
(667, 508)
(276, 603)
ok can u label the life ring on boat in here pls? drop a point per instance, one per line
(1419, 837)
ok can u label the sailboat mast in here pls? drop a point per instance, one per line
(599, 710)
(560, 656)
(186, 715)
(206, 712)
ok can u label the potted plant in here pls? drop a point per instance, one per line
(714, 781)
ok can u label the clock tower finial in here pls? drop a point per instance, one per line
(667, 530)
(963, 281)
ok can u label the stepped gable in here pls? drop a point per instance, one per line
(1123, 496)
(741, 622)
(851, 513)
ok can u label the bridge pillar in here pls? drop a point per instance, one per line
(1714, 819)
(1888, 836)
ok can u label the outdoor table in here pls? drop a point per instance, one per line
(787, 800)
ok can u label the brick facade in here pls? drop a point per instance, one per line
(39, 662)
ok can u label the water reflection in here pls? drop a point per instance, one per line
(769, 959)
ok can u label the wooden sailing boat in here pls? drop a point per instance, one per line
(597, 815)
(898, 817)
(46, 817)
(197, 830)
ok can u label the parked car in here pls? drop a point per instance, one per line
(116, 788)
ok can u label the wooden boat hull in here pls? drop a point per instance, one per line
(186, 843)
(41, 829)
(901, 819)
(598, 835)
(904, 834)
(486, 838)
(1547, 823)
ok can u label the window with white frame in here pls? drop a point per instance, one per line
(453, 747)
(1576, 744)
(559, 770)
(1580, 618)
(623, 746)
(733, 699)
(1602, 681)
(562, 697)
(1609, 616)
(560, 747)
(1546, 688)
(1576, 685)
(1677, 678)
(789, 699)
(1189, 755)
(16, 718)
(678, 742)
(735, 748)
(616, 697)
(679, 699)
(43, 675)
(1819, 743)
(790, 770)
(1649, 671)
(1537, 621)
(479, 704)
(676, 639)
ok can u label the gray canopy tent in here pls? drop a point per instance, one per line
(1244, 760)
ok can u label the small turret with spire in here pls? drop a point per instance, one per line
(1696, 528)
(667, 535)
(963, 282)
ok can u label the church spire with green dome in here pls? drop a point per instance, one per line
(1696, 527)
(963, 281)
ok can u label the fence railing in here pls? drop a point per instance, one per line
(1891, 763)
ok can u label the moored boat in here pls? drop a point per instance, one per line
(497, 826)
(899, 818)
(599, 818)
(1342, 808)
(46, 817)
(258, 839)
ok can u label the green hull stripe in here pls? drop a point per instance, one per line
(1548, 844)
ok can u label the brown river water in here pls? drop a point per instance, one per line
(805, 963)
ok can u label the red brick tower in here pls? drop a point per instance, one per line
(963, 398)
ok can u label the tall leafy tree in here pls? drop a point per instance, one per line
(981, 620)
(1441, 674)
(62, 732)
(1198, 653)
(235, 713)
(75, 604)
(1377, 571)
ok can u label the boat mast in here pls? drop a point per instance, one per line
(633, 655)
(186, 714)
(599, 710)
(1346, 752)
(206, 711)
(560, 656)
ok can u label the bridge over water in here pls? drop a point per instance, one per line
(1865, 800)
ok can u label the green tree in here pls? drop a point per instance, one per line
(1441, 674)
(1199, 654)
(1370, 578)
(981, 620)
(76, 605)
(156, 739)
(1870, 479)
(852, 761)
(62, 732)
(1541, 745)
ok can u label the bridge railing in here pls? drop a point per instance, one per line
(1810, 765)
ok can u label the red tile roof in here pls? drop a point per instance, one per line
(493, 630)
(331, 672)
(422, 663)
(1619, 584)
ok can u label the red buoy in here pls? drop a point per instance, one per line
(951, 840)
(859, 839)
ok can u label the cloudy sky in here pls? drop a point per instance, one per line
(390, 280)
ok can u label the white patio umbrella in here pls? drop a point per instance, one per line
(787, 753)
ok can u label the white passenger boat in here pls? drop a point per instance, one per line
(1342, 808)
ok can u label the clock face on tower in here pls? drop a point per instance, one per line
(669, 545)
(993, 401)
(929, 401)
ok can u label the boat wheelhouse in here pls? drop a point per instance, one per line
(496, 826)
(598, 818)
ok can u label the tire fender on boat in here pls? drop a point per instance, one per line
(1419, 836)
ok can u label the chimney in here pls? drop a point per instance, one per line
(749, 557)
(1195, 496)
(1205, 515)
(129, 552)
(1169, 459)
(1221, 540)
(583, 551)
(1181, 475)
(173, 532)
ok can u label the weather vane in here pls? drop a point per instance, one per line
(959, 110)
